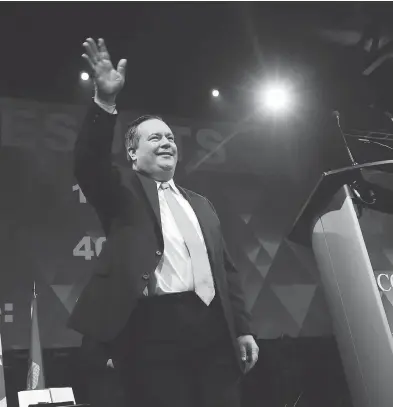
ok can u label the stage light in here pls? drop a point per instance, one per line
(85, 76)
(276, 98)
(215, 93)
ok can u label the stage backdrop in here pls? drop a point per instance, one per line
(257, 177)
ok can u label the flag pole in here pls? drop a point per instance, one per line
(35, 375)
(3, 398)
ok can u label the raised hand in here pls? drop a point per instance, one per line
(108, 80)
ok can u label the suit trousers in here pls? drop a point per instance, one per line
(176, 352)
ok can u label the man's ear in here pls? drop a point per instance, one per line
(131, 154)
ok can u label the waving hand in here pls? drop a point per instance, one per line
(108, 80)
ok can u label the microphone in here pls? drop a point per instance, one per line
(336, 114)
(357, 186)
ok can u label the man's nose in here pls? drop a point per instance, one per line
(165, 142)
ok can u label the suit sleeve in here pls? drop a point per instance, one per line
(96, 175)
(242, 317)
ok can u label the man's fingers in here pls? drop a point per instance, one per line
(254, 355)
(93, 45)
(102, 49)
(251, 363)
(86, 58)
(88, 51)
(252, 358)
(243, 353)
(91, 50)
(121, 67)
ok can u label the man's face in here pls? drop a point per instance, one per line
(156, 154)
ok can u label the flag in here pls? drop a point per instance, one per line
(3, 399)
(35, 376)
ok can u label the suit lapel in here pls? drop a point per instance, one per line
(150, 188)
(203, 223)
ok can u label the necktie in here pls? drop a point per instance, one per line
(203, 279)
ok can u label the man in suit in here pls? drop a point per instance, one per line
(165, 302)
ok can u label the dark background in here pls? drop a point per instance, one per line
(177, 52)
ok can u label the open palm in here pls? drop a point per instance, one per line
(108, 80)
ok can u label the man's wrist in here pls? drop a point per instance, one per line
(108, 106)
(241, 335)
(105, 99)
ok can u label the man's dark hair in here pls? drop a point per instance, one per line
(132, 135)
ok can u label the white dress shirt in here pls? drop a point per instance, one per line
(174, 272)
(105, 106)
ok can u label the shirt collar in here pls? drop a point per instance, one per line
(171, 184)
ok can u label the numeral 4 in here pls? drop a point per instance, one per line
(84, 247)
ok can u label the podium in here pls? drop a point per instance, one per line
(329, 223)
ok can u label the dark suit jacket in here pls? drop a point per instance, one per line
(128, 207)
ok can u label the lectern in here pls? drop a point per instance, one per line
(329, 224)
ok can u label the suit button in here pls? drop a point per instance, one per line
(146, 276)
(158, 253)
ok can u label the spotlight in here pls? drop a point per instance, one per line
(276, 98)
(85, 76)
(215, 93)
